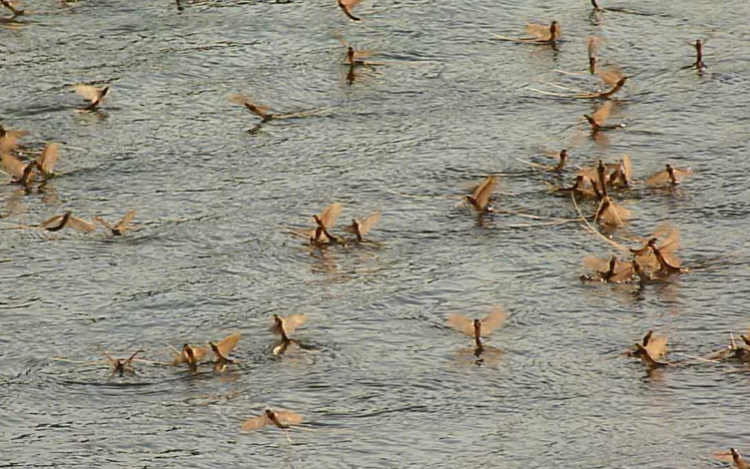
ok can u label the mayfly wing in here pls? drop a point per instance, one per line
(495, 319)
(461, 323)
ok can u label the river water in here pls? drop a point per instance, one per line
(383, 383)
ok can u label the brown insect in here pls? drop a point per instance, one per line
(656, 346)
(732, 456)
(643, 353)
(67, 220)
(592, 46)
(543, 33)
(611, 213)
(578, 188)
(658, 256)
(264, 112)
(599, 118)
(93, 94)
(612, 270)
(613, 77)
(19, 172)
(482, 194)
(46, 161)
(222, 350)
(363, 226)
(283, 419)
(191, 356)
(282, 326)
(347, 6)
(478, 327)
(562, 159)
(14, 6)
(670, 175)
(9, 139)
(121, 226)
(120, 366)
(698, 64)
(325, 221)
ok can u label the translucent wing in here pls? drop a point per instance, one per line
(623, 272)
(368, 223)
(9, 140)
(613, 214)
(88, 92)
(199, 353)
(48, 158)
(596, 264)
(540, 31)
(461, 323)
(228, 344)
(126, 220)
(588, 173)
(288, 417)
(363, 54)
(662, 177)
(602, 114)
(331, 213)
(627, 166)
(724, 456)
(682, 173)
(340, 37)
(657, 347)
(610, 74)
(671, 236)
(495, 319)
(255, 423)
(54, 221)
(103, 222)
(243, 100)
(13, 165)
(483, 193)
(592, 44)
(80, 224)
(293, 321)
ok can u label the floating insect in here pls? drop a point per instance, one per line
(543, 34)
(222, 351)
(14, 6)
(656, 346)
(121, 226)
(347, 6)
(592, 46)
(598, 119)
(46, 161)
(283, 419)
(120, 366)
(477, 327)
(670, 175)
(190, 355)
(363, 226)
(282, 326)
(9, 139)
(93, 94)
(607, 270)
(733, 456)
(67, 220)
(611, 76)
(325, 222)
(19, 172)
(658, 257)
(482, 195)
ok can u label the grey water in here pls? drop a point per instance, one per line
(383, 382)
